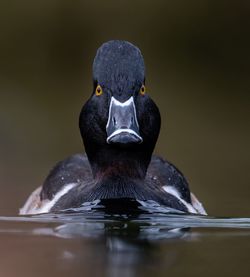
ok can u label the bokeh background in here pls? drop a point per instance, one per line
(197, 58)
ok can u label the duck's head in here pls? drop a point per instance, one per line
(119, 123)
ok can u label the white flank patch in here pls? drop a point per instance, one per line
(171, 190)
(46, 208)
(197, 205)
(31, 203)
(34, 206)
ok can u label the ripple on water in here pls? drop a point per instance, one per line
(144, 220)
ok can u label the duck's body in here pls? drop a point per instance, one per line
(70, 184)
(119, 125)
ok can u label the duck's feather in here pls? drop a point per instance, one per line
(75, 169)
(70, 183)
(33, 203)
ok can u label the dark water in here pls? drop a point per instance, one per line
(95, 242)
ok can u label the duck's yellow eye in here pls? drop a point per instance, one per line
(98, 90)
(143, 90)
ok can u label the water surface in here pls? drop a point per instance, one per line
(95, 242)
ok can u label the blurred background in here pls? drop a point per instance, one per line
(197, 60)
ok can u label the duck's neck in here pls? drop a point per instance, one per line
(120, 169)
(114, 164)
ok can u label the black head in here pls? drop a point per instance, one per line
(119, 67)
(119, 123)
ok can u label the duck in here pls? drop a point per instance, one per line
(119, 125)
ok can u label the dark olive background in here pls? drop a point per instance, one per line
(197, 59)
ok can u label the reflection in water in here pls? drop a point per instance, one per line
(121, 244)
(122, 241)
(124, 244)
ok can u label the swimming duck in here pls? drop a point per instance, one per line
(119, 125)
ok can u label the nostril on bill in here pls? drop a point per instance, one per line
(114, 121)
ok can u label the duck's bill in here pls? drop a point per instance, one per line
(122, 126)
(124, 136)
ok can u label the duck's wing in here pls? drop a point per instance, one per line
(33, 203)
(66, 175)
(173, 182)
(166, 174)
(197, 205)
(73, 170)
